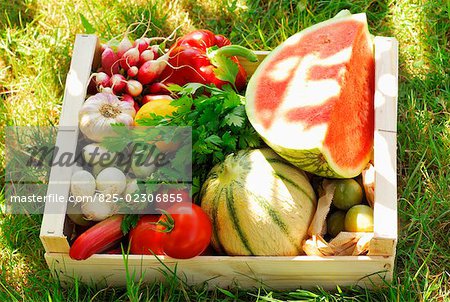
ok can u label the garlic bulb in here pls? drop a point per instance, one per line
(100, 111)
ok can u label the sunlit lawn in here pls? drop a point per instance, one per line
(35, 46)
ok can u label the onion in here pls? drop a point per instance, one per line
(132, 186)
(141, 166)
(98, 209)
(82, 184)
(111, 181)
(96, 154)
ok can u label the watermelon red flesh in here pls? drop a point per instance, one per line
(333, 122)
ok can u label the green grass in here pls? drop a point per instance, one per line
(36, 39)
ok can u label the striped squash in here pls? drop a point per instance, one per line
(259, 204)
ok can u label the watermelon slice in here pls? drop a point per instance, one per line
(311, 99)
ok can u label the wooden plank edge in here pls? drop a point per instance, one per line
(248, 272)
(386, 83)
(385, 144)
(52, 227)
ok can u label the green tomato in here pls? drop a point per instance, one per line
(336, 223)
(347, 193)
(359, 219)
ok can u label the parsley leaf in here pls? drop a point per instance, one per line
(226, 70)
(236, 117)
(219, 127)
(129, 221)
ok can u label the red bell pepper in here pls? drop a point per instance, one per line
(203, 57)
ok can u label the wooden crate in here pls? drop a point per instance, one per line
(247, 272)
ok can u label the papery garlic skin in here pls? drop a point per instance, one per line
(100, 111)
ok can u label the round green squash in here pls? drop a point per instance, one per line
(258, 204)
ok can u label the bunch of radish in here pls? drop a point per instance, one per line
(131, 70)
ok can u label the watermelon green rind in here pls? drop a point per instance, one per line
(309, 153)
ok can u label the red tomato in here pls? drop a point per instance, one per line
(145, 237)
(171, 197)
(191, 233)
(181, 195)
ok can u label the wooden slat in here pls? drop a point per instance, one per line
(52, 229)
(385, 144)
(247, 272)
(386, 83)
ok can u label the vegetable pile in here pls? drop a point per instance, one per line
(243, 198)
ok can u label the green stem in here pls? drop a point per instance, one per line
(168, 224)
(235, 50)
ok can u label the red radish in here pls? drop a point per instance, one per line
(155, 49)
(158, 88)
(109, 61)
(141, 44)
(103, 46)
(149, 97)
(133, 71)
(134, 88)
(130, 58)
(129, 99)
(98, 238)
(151, 70)
(124, 46)
(146, 55)
(118, 83)
(99, 79)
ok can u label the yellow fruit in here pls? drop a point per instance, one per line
(359, 219)
(158, 107)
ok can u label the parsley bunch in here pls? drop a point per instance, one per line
(219, 125)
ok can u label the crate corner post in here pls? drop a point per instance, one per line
(385, 144)
(53, 222)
